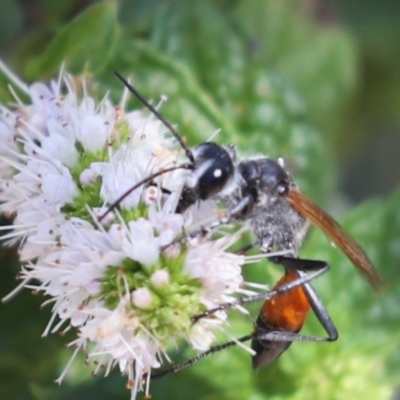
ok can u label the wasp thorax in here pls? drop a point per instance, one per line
(264, 175)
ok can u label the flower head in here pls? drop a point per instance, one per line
(127, 284)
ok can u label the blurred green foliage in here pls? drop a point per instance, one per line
(277, 81)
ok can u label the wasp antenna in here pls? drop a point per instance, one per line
(142, 182)
(176, 134)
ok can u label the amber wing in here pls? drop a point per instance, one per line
(303, 205)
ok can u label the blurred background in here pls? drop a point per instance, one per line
(314, 81)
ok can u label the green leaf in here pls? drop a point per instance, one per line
(320, 59)
(86, 43)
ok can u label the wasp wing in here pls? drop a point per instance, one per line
(304, 206)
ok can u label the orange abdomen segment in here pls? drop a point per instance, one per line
(288, 311)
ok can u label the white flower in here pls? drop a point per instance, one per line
(127, 284)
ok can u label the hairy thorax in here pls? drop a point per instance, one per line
(278, 226)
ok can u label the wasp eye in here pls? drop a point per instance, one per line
(282, 188)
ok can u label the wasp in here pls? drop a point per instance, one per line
(261, 192)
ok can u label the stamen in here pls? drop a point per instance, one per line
(13, 78)
(65, 370)
(214, 135)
